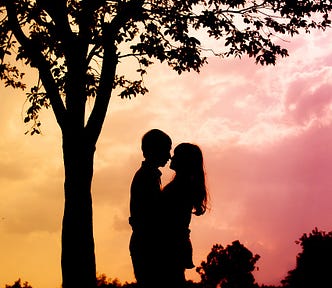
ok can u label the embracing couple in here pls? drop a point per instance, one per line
(160, 245)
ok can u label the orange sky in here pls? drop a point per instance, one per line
(265, 133)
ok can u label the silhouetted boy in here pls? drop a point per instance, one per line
(144, 196)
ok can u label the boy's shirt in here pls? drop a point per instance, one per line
(144, 197)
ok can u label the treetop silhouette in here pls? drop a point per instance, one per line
(313, 263)
(229, 267)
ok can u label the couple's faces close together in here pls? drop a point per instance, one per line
(161, 155)
(165, 155)
(157, 147)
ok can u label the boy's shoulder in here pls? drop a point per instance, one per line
(147, 168)
(147, 171)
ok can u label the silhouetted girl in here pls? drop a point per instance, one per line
(185, 195)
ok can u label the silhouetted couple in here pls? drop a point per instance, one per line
(160, 245)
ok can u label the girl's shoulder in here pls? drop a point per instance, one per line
(169, 187)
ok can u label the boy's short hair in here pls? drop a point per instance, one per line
(153, 140)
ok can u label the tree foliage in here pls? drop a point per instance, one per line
(53, 35)
(313, 263)
(18, 284)
(104, 282)
(229, 267)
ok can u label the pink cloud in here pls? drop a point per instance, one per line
(269, 197)
(306, 102)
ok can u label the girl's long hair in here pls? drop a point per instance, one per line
(190, 164)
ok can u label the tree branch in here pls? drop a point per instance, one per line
(254, 6)
(98, 114)
(85, 21)
(127, 11)
(93, 53)
(57, 11)
(38, 61)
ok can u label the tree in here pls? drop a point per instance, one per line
(76, 46)
(229, 267)
(103, 282)
(18, 284)
(313, 263)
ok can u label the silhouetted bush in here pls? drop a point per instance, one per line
(229, 267)
(313, 264)
(18, 284)
(191, 284)
(104, 282)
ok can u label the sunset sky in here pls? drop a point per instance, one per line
(265, 132)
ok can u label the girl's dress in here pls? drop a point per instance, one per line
(176, 214)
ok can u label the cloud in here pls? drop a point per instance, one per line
(267, 198)
(309, 98)
(265, 135)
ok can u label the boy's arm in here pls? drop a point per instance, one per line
(145, 191)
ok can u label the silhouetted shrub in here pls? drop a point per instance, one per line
(191, 284)
(104, 282)
(229, 267)
(18, 284)
(314, 263)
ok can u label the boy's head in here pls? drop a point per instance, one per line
(156, 147)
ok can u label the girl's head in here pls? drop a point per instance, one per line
(187, 162)
(187, 159)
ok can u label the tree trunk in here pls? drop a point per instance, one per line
(78, 257)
